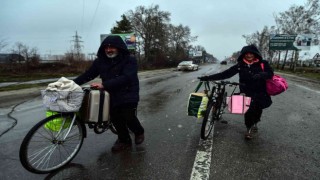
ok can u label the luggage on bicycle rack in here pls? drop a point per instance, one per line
(197, 104)
(238, 104)
(95, 106)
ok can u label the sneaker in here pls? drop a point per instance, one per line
(254, 128)
(139, 139)
(248, 134)
(120, 146)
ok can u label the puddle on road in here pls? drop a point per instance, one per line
(157, 101)
(152, 82)
(159, 79)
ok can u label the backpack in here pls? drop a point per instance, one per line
(276, 84)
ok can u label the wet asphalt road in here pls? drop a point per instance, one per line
(287, 145)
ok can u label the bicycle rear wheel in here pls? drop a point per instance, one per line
(208, 121)
(50, 145)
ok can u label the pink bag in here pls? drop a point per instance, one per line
(276, 84)
(238, 104)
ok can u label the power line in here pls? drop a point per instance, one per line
(94, 15)
(82, 16)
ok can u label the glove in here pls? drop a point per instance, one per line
(204, 78)
(256, 76)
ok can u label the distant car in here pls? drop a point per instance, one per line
(187, 66)
(223, 62)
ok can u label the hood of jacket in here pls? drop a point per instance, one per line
(115, 41)
(252, 49)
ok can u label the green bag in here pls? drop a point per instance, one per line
(55, 124)
(197, 104)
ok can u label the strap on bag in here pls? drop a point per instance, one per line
(243, 104)
(101, 103)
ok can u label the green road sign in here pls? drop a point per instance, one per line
(282, 42)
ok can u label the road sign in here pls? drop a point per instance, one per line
(316, 58)
(129, 39)
(282, 42)
(197, 54)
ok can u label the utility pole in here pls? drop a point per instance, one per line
(77, 46)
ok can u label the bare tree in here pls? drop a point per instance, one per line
(178, 42)
(150, 25)
(17, 49)
(300, 20)
(3, 44)
(30, 55)
(261, 40)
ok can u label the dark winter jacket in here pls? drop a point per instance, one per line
(254, 88)
(119, 75)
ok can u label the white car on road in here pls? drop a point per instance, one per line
(187, 65)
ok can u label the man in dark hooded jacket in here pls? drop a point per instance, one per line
(253, 83)
(118, 71)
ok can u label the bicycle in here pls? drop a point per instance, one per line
(217, 102)
(54, 141)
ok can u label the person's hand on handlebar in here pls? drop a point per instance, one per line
(96, 86)
(203, 78)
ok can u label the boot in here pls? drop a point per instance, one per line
(121, 146)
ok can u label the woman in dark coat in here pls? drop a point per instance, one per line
(253, 79)
(119, 73)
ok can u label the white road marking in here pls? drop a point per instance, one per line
(304, 87)
(201, 165)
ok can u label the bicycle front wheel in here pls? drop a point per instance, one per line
(208, 121)
(51, 143)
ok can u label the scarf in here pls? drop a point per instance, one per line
(249, 63)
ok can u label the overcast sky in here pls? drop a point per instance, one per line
(50, 25)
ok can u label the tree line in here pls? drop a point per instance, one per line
(159, 43)
(162, 44)
(303, 19)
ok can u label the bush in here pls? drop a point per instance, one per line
(43, 69)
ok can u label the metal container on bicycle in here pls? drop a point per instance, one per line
(95, 105)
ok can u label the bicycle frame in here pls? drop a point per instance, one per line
(217, 92)
(218, 88)
(216, 104)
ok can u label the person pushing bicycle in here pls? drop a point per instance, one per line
(252, 79)
(119, 73)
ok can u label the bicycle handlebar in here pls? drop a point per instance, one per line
(224, 82)
(87, 88)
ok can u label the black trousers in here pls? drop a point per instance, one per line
(252, 116)
(123, 118)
